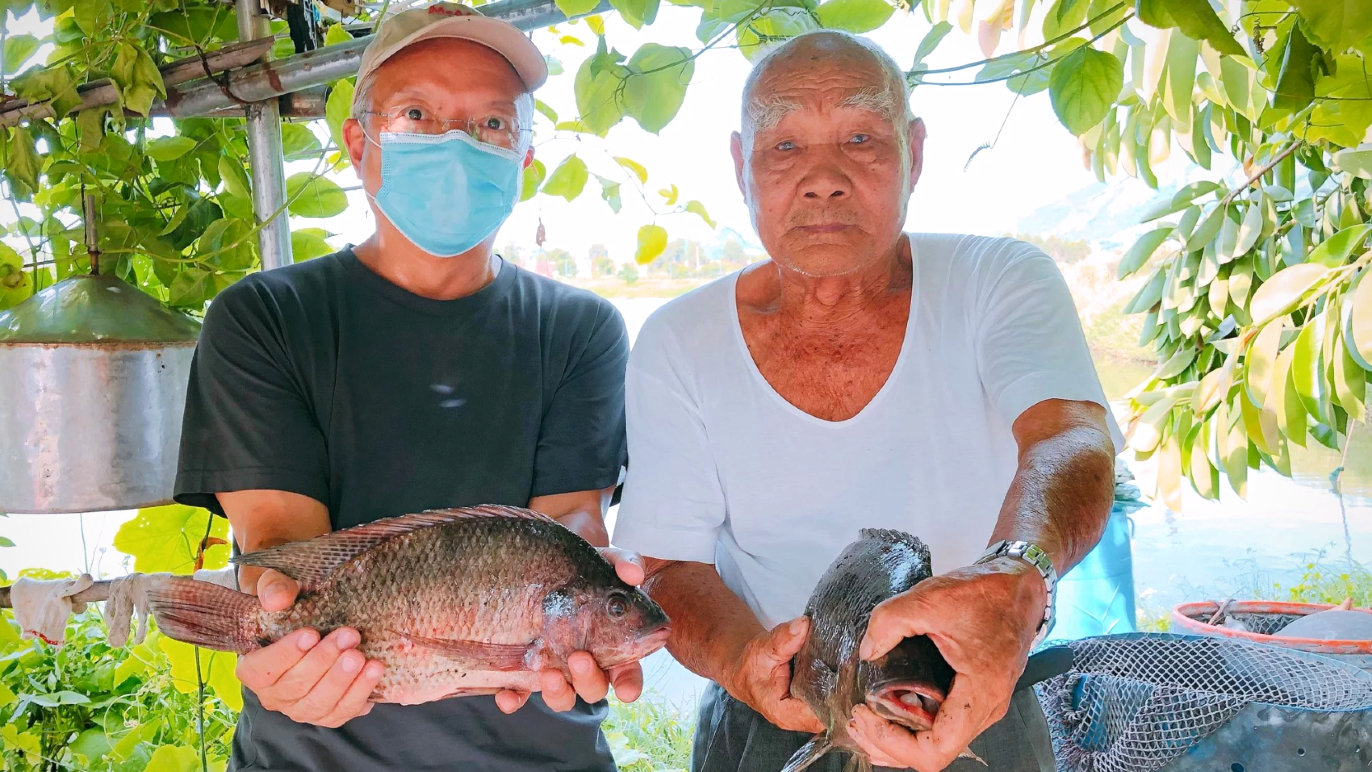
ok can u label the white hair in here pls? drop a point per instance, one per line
(891, 98)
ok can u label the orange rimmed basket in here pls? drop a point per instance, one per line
(1262, 618)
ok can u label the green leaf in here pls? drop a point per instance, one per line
(216, 669)
(21, 163)
(298, 142)
(636, 12)
(609, 190)
(1336, 24)
(1296, 82)
(932, 38)
(307, 246)
(1142, 250)
(544, 110)
(167, 539)
(169, 148)
(695, 207)
(1175, 364)
(313, 196)
(533, 177)
(1249, 230)
(568, 179)
(235, 177)
(854, 15)
(657, 85)
(1283, 291)
(1181, 200)
(1350, 383)
(1083, 87)
(1355, 162)
(337, 109)
(1062, 16)
(91, 744)
(1198, 21)
(17, 50)
(1149, 294)
(597, 90)
(1207, 230)
(1154, 13)
(1335, 250)
(1147, 431)
(574, 8)
(1360, 319)
(652, 240)
(1260, 361)
(173, 758)
(1182, 55)
(633, 166)
(1305, 362)
(337, 34)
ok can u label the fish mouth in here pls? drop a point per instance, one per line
(908, 703)
(638, 648)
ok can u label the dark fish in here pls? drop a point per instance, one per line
(906, 686)
(453, 602)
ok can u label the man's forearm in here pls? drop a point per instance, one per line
(710, 624)
(1061, 496)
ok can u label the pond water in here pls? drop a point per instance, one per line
(1208, 550)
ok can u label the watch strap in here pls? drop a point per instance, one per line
(1033, 555)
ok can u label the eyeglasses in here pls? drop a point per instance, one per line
(492, 130)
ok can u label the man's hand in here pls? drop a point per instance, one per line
(983, 620)
(588, 681)
(762, 677)
(325, 683)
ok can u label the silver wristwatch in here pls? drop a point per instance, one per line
(1031, 554)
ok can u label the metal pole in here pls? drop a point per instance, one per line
(322, 66)
(265, 155)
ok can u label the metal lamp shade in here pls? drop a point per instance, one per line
(93, 377)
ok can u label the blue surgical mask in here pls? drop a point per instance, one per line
(447, 192)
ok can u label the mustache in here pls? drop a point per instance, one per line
(813, 218)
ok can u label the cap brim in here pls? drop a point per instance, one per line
(499, 36)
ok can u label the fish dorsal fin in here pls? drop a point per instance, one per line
(312, 562)
(893, 536)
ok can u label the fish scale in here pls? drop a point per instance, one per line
(452, 602)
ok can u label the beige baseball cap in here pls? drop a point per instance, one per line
(453, 20)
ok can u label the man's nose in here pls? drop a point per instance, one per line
(826, 180)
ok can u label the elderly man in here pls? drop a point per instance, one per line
(413, 371)
(860, 377)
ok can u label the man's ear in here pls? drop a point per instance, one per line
(736, 150)
(528, 159)
(355, 137)
(917, 133)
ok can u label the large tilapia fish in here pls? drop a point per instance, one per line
(453, 602)
(906, 686)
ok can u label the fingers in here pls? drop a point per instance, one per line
(628, 681)
(557, 693)
(785, 640)
(629, 565)
(890, 745)
(354, 701)
(892, 621)
(297, 682)
(276, 591)
(795, 715)
(510, 700)
(259, 670)
(319, 702)
(972, 705)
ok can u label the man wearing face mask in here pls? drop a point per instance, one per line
(416, 370)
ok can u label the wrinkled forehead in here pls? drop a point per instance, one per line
(817, 84)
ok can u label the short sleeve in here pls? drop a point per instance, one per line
(1029, 342)
(247, 423)
(581, 439)
(673, 504)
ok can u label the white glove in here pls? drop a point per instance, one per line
(42, 607)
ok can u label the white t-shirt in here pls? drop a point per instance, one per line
(723, 470)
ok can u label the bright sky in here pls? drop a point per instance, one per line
(1036, 161)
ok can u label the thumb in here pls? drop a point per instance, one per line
(892, 621)
(276, 591)
(785, 640)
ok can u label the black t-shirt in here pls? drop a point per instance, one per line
(326, 380)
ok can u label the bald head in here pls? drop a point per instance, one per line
(884, 88)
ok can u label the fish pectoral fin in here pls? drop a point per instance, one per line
(968, 754)
(809, 753)
(485, 656)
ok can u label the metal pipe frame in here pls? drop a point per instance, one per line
(266, 157)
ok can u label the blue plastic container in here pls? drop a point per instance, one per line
(1097, 596)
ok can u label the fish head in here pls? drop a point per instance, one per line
(909, 684)
(615, 622)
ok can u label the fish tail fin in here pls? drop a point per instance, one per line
(809, 753)
(204, 614)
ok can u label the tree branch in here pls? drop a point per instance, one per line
(1229, 199)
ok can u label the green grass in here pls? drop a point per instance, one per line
(650, 736)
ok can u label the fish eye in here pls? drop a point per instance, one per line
(618, 605)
